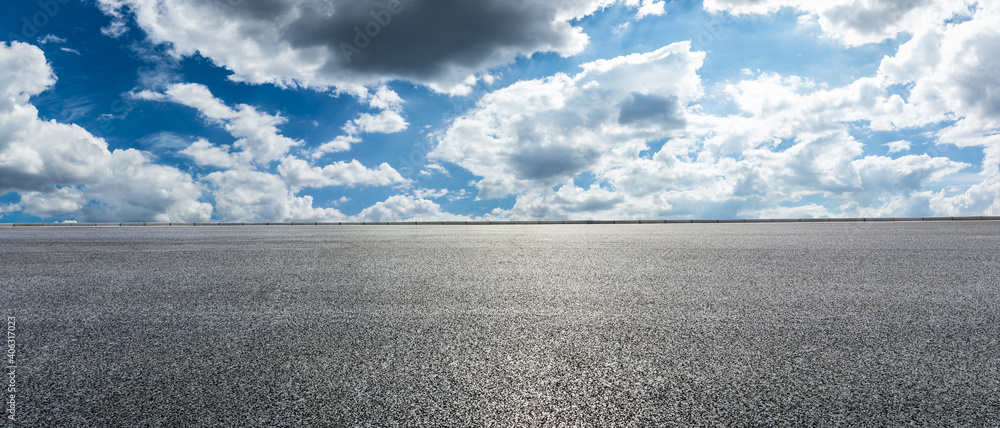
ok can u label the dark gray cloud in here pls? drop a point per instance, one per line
(652, 110)
(425, 38)
(542, 163)
(345, 42)
(14, 178)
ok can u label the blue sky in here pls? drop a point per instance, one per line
(278, 110)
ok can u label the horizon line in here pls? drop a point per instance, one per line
(506, 222)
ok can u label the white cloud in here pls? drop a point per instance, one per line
(433, 168)
(49, 38)
(245, 190)
(340, 144)
(537, 139)
(953, 70)
(647, 7)
(44, 204)
(257, 132)
(802, 211)
(791, 140)
(258, 196)
(406, 208)
(25, 73)
(950, 71)
(747, 6)
(624, 137)
(980, 199)
(9, 208)
(430, 193)
(898, 146)
(857, 22)
(299, 174)
(115, 30)
(882, 175)
(143, 190)
(458, 196)
(206, 154)
(570, 202)
(61, 169)
(113, 8)
(386, 122)
(386, 99)
(529, 134)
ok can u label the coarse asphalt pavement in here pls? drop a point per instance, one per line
(569, 325)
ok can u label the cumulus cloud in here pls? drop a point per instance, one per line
(26, 73)
(432, 169)
(340, 144)
(858, 22)
(624, 137)
(144, 190)
(299, 173)
(9, 208)
(388, 121)
(245, 189)
(62, 200)
(430, 193)
(540, 133)
(570, 202)
(791, 140)
(898, 146)
(61, 169)
(406, 208)
(980, 198)
(244, 195)
(205, 153)
(447, 45)
(950, 72)
(257, 133)
(260, 141)
(953, 70)
(647, 7)
(883, 175)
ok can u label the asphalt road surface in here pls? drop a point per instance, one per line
(619, 325)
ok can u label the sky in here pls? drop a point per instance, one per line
(424, 110)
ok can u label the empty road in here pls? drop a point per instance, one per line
(568, 325)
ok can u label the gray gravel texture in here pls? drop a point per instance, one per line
(620, 325)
